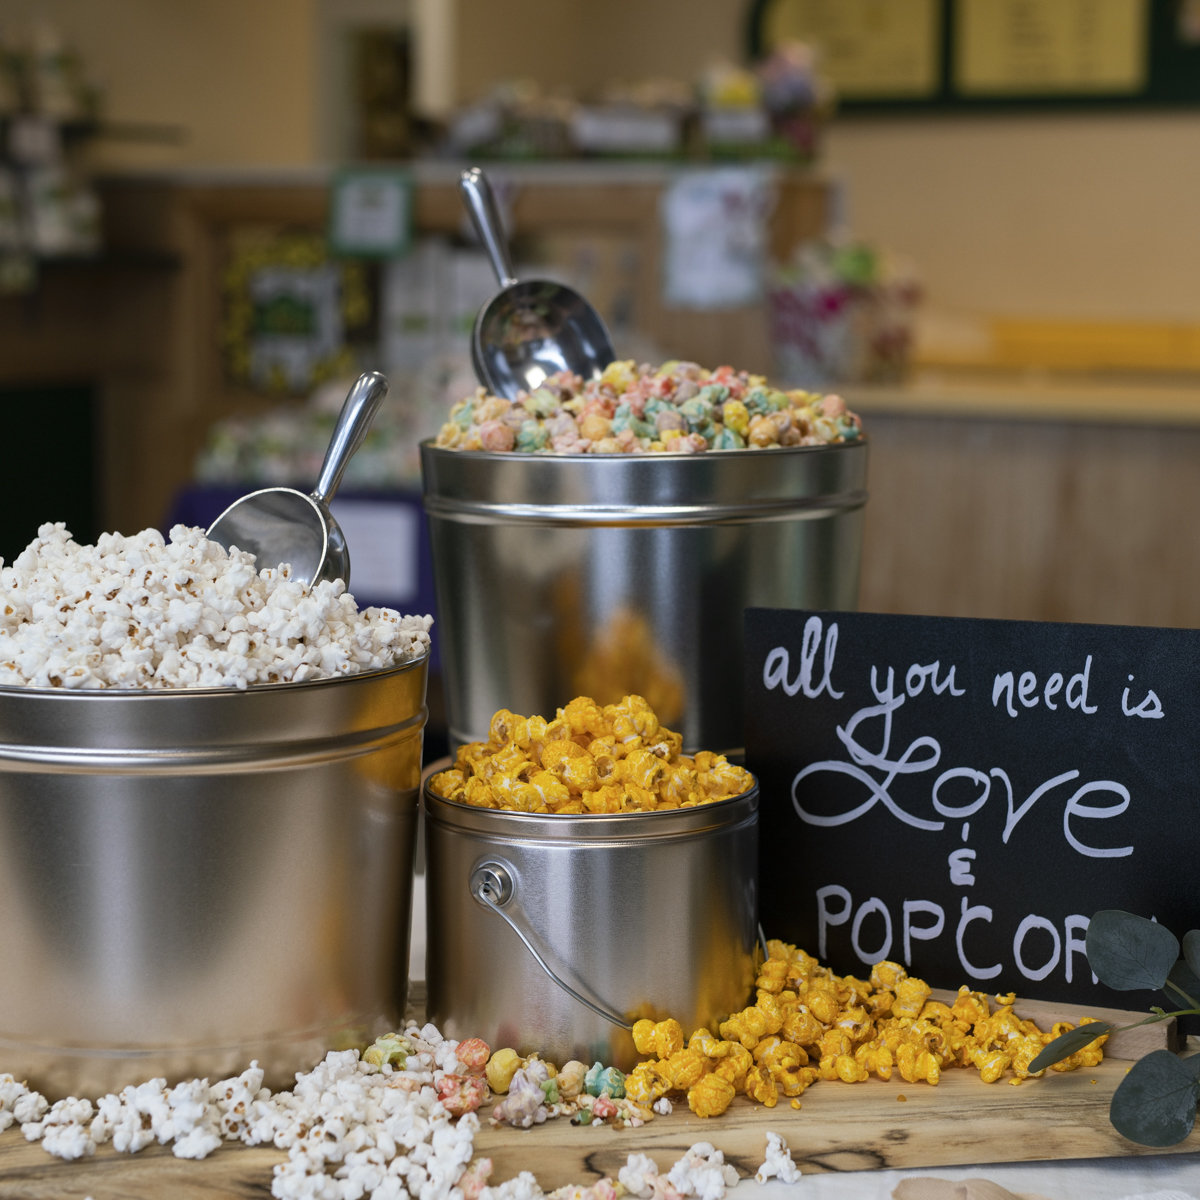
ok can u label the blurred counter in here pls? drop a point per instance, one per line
(1037, 396)
(1034, 498)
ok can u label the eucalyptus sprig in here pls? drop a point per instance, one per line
(1155, 1104)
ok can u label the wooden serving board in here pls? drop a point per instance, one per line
(839, 1127)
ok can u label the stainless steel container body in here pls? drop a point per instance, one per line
(602, 575)
(192, 879)
(646, 915)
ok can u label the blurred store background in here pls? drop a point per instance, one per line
(974, 218)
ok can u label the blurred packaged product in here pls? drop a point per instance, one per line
(732, 118)
(645, 118)
(48, 207)
(611, 129)
(798, 97)
(64, 213)
(517, 119)
(841, 313)
(773, 110)
(286, 445)
(428, 302)
(34, 141)
(55, 76)
(715, 226)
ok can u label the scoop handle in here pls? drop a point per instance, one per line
(362, 403)
(480, 202)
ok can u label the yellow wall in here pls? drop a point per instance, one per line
(239, 75)
(1092, 217)
(583, 43)
(1082, 216)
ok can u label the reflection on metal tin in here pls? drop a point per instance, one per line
(192, 879)
(557, 575)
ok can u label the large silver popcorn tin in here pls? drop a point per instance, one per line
(192, 879)
(604, 575)
(555, 933)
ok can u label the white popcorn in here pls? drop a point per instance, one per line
(351, 1131)
(702, 1172)
(663, 1107)
(28, 1106)
(141, 612)
(778, 1162)
(636, 1174)
(523, 1187)
(13, 1094)
(61, 1130)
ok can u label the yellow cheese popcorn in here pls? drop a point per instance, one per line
(808, 1024)
(615, 759)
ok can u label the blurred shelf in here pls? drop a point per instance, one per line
(443, 171)
(113, 260)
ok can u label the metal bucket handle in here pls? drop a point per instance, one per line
(493, 886)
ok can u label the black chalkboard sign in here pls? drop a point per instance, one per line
(962, 795)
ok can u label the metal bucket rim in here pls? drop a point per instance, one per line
(648, 456)
(257, 689)
(700, 819)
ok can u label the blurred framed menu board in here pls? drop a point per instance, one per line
(963, 55)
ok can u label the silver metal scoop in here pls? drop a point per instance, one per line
(531, 329)
(281, 525)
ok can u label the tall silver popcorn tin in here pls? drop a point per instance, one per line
(555, 933)
(565, 575)
(191, 879)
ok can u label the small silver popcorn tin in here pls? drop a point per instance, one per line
(555, 933)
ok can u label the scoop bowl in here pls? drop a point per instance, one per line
(529, 330)
(282, 525)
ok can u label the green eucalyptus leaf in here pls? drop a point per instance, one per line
(1191, 952)
(1184, 978)
(1129, 953)
(1156, 1102)
(1069, 1043)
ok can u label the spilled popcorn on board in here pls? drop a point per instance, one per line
(352, 1128)
(808, 1024)
(142, 612)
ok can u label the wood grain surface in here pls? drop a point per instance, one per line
(838, 1127)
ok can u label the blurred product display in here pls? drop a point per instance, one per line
(289, 309)
(773, 109)
(715, 237)
(516, 120)
(286, 444)
(841, 313)
(48, 207)
(295, 322)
